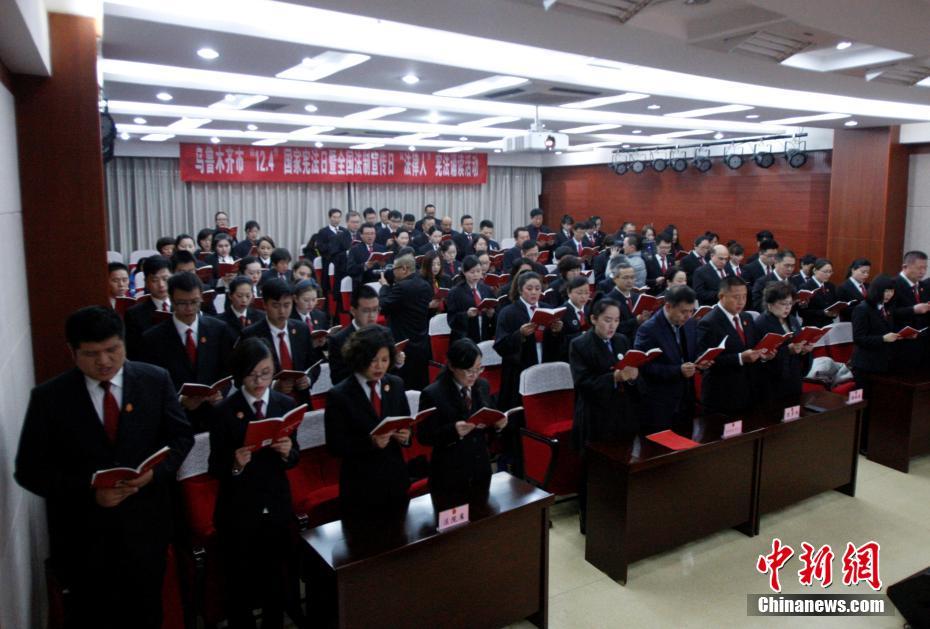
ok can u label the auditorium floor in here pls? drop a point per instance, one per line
(704, 584)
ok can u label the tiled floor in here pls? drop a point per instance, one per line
(705, 583)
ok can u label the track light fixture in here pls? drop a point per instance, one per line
(763, 156)
(732, 157)
(660, 163)
(638, 165)
(796, 153)
(702, 159)
(679, 161)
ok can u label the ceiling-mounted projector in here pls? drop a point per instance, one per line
(537, 139)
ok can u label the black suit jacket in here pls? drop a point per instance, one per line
(270, 274)
(778, 378)
(137, 320)
(262, 484)
(324, 239)
(871, 353)
(510, 256)
(814, 313)
(571, 328)
(456, 464)
(406, 306)
(668, 394)
(517, 351)
(628, 322)
(654, 271)
(599, 264)
(706, 283)
(63, 443)
(253, 316)
(752, 271)
(691, 263)
(603, 408)
(319, 317)
(726, 386)
(847, 291)
(242, 249)
(370, 478)
(758, 289)
(355, 265)
(338, 370)
(303, 354)
(339, 247)
(464, 244)
(459, 300)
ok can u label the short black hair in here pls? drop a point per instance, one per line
(276, 289)
(238, 281)
(567, 219)
(785, 253)
(93, 324)
(603, 304)
(912, 256)
(409, 218)
(635, 240)
(164, 241)
(878, 287)
(363, 292)
(764, 235)
(395, 215)
(181, 256)
(368, 211)
(117, 266)
(736, 249)
(246, 261)
(568, 263)
(203, 233)
(464, 218)
(585, 225)
(730, 282)
(462, 354)
(220, 237)
(180, 237)
(304, 286)
(366, 226)
(266, 238)
(527, 245)
(535, 212)
(486, 223)
(855, 264)
(819, 263)
(767, 245)
(383, 210)
(245, 356)
(516, 232)
(364, 344)
(333, 210)
(777, 291)
(218, 212)
(700, 239)
(153, 264)
(575, 282)
(808, 258)
(680, 295)
(185, 281)
(252, 225)
(280, 254)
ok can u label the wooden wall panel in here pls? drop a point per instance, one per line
(61, 181)
(792, 203)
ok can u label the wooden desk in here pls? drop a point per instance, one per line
(899, 419)
(400, 572)
(644, 498)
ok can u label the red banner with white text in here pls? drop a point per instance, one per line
(209, 162)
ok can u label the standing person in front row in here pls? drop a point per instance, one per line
(108, 546)
(373, 475)
(604, 397)
(778, 377)
(460, 463)
(253, 505)
(465, 320)
(726, 386)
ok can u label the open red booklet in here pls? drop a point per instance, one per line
(672, 440)
(543, 257)
(907, 332)
(701, 312)
(545, 239)
(192, 389)
(647, 303)
(400, 346)
(262, 432)
(497, 259)
(441, 293)
(711, 353)
(109, 478)
(547, 316)
(161, 315)
(636, 358)
(295, 374)
(488, 303)
(836, 308)
(771, 342)
(227, 268)
(380, 257)
(811, 334)
(496, 281)
(399, 422)
(205, 273)
(232, 231)
(488, 416)
(322, 334)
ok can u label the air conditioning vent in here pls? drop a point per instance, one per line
(770, 46)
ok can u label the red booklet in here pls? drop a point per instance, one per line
(226, 268)
(496, 281)
(399, 422)
(836, 308)
(588, 252)
(123, 304)
(262, 432)
(488, 416)
(205, 273)
(547, 316)
(208, 296)
(418, 259)
(110, 478)
(445, 237)
(639, 289)
(322, 334)
(488, 303)
(400, 346)
(805, 295)
(544, 239)
(254, 251)
(711, 353)
(192, 389)
(296, 374)
(160, 315)
(681, 254)
(771, 342)
(258, 303)
(636, 358)
(647, 303)
(203, 255)
(811, 334)
(543, 257)
(550, 277)
(232, 231)
(497, 259)
(380, 257)
(672, 440)
(441, 293)
(701, 312)
(907, 332)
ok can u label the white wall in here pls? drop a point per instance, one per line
(23, 539)
(917, 227)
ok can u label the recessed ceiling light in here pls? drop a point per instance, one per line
(654, 107)
(124, 135)
(164, 96)
(590, 128)
(310, 108)
(851, 123)
(482, 86)
(319, 145)
(215, 140)
(411, 148)
(497, 150)
(207, 53)
(375, 112)
(252, 127)
(463, 139)
(238, 101)
(752, 116)
(843, 45)
(410, 78)
(626, 146)
(718, 136)
(322, 65)
(709, 111)
(636, 131)
(268, 142)
(606, 100)
(558, 152)
(139, 120)
(434, 117)
(156, 137)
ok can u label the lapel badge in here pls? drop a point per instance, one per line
(386, 388)
(128, 408)
(203, 339)
(293, 330)
(240, 415)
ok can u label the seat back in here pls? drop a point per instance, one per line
(199, 490)
(219, 303)
(548, 393)
(507, 243)
(138, 254)
(439, 333)
(114, 256)
(321, 387)
(493, 364)
(837, 343)
(753, 314)
(318, 270)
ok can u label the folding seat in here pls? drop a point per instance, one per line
(345, 293)
(439, 334)
(314, 489)
(114, 256)
(837, 343)
(320, 388)
(138, 254)
(549, 460)
(318, 270)
(493, 364)
(417, 455)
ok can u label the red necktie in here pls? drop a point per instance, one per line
(283, 353)
(579, 249)
(738, 272)
(722, 274)
(191, 348)
(739, 329)
(662, 264)
(916, 293)
(629, 303)
(258, 409)
(863, 290)
(466, 396)
(243, 321)
(110, 412)
(477, 296)
(375, 398)
(369, 249)
(702, 260)
(581, 320)
(309, 321)
(538, 333)
(164, 306)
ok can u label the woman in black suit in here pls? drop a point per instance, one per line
(461, 305)
(779, 376)
(306, 296)
(222, 253)
(450, 266)
(431, 271)
(575, 298)
(824, 296)
(605, 398)
(373, 474)
(507, 293)
(253, 505)
(856, 286)
(460, 463)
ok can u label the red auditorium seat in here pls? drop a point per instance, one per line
(439, 334)
(314, 480)
(493, 364)
(417, 455)
(345, 292)
(548, 401)
(320, 388)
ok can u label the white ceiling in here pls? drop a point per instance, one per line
(688, 56)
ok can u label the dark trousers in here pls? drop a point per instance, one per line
(864, 382)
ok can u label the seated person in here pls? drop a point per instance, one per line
(239, 313)
(251, 268)
(140, 317)
(244, 247)
(280, 261)
(305, 310)
(165, 246)
(117, 281)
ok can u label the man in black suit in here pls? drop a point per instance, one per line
(364, 307)
(141, 317)
(762, 264)
(465, 239)
(612, 248)
(420, 237)
(566, 231)
(191, 347)
(910, 307)
(669, 379)
(781, 272)
(323, 239)
(280, 263)
(706, 279)
(697, 257)
(340, 245)
(486, 228)
(253, 232)
(657, 265)
(406, 305)
(726, 385)
(239, 313)
(536, 227)
(290, 340)
(520, 236)
(383, 229)
(799, 279)
(761, 237)
(108, 546)
(445, 224)
(429, 210)
(624, 278)
(221, 226)
(736, 259)
(357, 266)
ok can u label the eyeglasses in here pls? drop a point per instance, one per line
(262, 375)
(474, 371)
(187, 304)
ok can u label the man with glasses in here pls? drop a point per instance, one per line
(193, 348)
